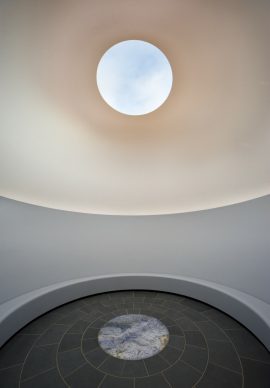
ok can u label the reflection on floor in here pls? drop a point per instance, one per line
(133, 336)
(206, 348)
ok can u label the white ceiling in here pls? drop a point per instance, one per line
(62, 146)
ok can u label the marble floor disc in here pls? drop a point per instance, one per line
(133, 337)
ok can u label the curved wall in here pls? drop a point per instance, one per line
(228, 247)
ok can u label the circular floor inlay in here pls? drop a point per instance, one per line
(133, 337)
(134, 77)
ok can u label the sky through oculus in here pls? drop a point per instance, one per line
(134, 77)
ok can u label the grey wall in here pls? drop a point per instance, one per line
(229, 246)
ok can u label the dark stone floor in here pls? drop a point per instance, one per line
(207, 349)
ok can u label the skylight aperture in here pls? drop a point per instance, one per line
(134, 77)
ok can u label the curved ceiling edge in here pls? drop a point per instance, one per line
(130, 214)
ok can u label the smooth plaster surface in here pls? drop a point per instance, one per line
(62, 146)
(41, 247)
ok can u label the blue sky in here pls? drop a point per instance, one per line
(134, 77)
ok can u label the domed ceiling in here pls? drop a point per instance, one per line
(62, 146)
